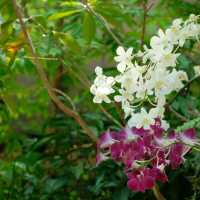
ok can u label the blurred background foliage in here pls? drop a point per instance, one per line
(44, 154)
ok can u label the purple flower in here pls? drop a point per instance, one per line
(144, 179)
(145, 153)
(117, 150)
(176, 155)
(105, 140)
(141, 180)
(188, 137)
(130, 135)
(157, 129)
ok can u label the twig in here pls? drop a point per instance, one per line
(65, 96)
(110, 116)
(104, 22)
(40, 58)
(181, 117)
(45, 81)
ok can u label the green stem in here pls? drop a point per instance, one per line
(157, 193)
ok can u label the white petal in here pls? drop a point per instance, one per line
(129, 51)
(107, 100)
(118, 98)
(121, 67)
(120, 50)
(118, 58)
(97, 99)
(98, 70)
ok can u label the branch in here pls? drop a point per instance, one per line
(110, 116)
(104, 22)
(45, 81)
(178, 115)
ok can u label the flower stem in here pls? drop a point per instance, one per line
(157, 193)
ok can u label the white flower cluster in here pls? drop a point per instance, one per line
(147, 76)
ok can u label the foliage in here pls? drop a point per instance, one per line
(44, 153)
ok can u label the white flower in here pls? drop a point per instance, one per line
(197, 70)
(175, 79)
(157, 112)
(174, 34)
(193, 18)
(160, 41)
(125, 96)
(128, 110)
(129, 79)
(141, 120)
(102, 87)
(168, 59)
(154, 79)
(124, 58)
(158, 83)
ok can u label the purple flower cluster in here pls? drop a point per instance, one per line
(145, 153)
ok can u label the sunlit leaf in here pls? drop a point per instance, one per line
(72, 4)
(60, 15)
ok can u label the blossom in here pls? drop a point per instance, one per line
(102, 87)
(142, 119)
(123, 58)
(142, 180)
(154, 78)
(160, 40)
(145, 153)
(125, 96)
(129, 80)
(144, 146)
(176, 155)
(106, 140)
(197, 70)
(188, 137)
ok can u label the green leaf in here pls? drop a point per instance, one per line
(89, 27)
(64, 14)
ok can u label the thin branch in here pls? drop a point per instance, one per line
(45, 81)
(40, 58)
(178, 115)
(110, 116)
(65, 96)
(104, 22)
